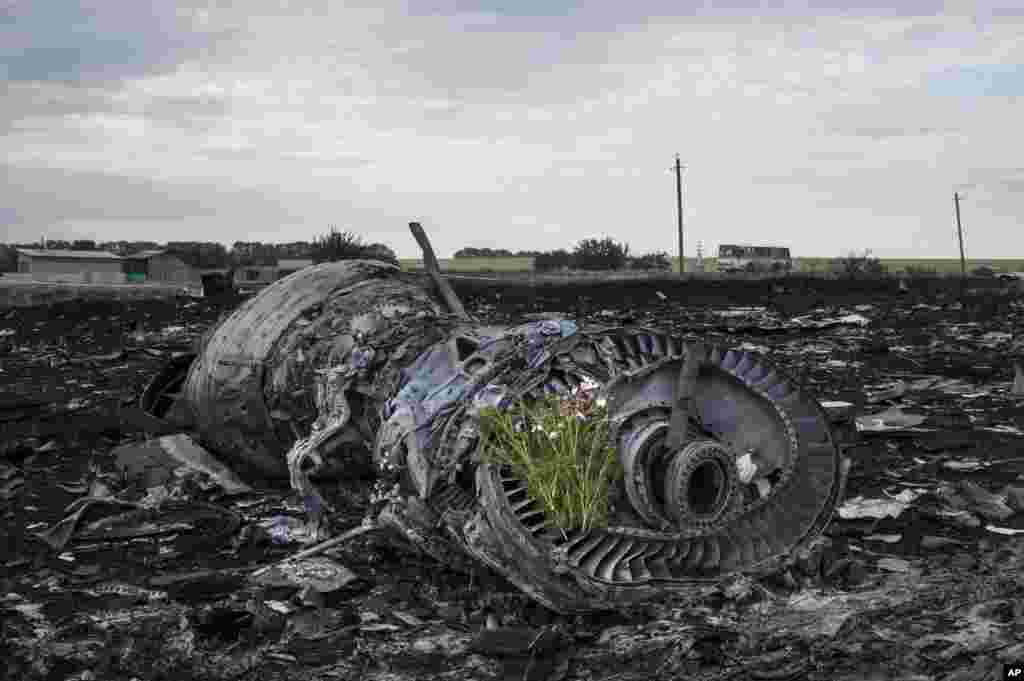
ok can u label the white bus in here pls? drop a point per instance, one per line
(733, 258)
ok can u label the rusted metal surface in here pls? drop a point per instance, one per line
(728, 465)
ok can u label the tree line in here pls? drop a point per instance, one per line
(588, 254)
(493, 253)
(600, 254)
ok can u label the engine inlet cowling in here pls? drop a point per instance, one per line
(355, 362)
(701, 484)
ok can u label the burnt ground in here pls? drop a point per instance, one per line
(933, 590)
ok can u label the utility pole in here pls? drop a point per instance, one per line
(960, 234)
(679, 208)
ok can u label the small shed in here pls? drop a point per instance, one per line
(169, 268)
(217, 281)
(82, 267)
(159, 266)
(136, 266)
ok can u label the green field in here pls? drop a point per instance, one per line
(473, 264)
(893, 265)
(939, 265)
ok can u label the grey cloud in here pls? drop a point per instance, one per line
(448, 112)
(899, 113)
(307, 159)
(840, 182)
(878, 134)
(19, 101)
(792, 175)
(993, 180)
(45, 199)
(433, 50)
(43, 195)
(827, 156)
(195, 112)
(40, 106)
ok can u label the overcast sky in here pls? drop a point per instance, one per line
(526, 124)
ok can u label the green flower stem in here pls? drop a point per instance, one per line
(567, 463)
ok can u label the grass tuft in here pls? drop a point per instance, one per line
(560, 447)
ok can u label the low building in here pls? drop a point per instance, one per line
(161, 267)
(81, 267)
(286, 266)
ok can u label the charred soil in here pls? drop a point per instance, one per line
(920, 575)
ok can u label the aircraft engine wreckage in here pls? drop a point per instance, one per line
(728, 466)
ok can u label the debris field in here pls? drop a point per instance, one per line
(131, 552)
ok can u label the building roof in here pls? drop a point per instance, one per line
(61, 253)
(294, 263)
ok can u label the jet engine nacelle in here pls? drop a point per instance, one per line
(357, 356)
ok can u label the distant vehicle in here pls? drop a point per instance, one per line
(733, 258)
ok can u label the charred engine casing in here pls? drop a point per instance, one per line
(357, 354)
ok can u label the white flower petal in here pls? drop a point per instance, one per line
(747, 468)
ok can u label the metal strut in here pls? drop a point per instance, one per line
(684, 410)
